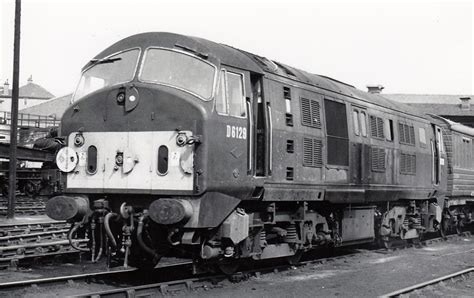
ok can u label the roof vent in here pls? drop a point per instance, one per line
(30, 79)
(375, 89)
(6, 88)
(465, 105)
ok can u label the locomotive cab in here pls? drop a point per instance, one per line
(149, 133)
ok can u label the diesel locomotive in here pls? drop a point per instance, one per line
(176, 145)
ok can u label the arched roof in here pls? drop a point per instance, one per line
(227, 55)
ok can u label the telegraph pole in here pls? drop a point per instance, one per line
(14, 113)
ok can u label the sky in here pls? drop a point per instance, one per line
(417, 46)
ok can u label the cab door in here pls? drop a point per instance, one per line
(260, 134)
(229, 155)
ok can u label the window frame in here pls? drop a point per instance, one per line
(363, 130)
(218, 84)
(216, 72)
(388, 130)
(423, 143)
(355, 122)
(92, 64)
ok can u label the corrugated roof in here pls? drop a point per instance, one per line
(427, 98)
(30, 90)
(54, 107)
(438, 104)
(443, 109)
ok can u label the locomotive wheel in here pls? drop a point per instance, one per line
(228, 267)
(295, 259)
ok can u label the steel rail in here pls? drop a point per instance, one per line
(147, 290)
(427, 283)
(165, 288)
(172, 287)
(29, 282)
(76, 277)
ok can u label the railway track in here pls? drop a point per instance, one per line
(412, 289)
(21, 242)
(24, 205)
(12, 229)
(130, 282)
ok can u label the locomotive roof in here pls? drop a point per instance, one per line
(332, 85)
(240, 59)
(224, 54)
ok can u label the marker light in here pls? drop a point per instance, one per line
(79, 140)
(66, 159)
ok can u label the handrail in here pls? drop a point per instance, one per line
(29, 120)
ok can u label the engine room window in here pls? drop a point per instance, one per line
(389, 129)
(363, 123)
(180, 70)
(422, 136)
(355, 120)
(112, 70)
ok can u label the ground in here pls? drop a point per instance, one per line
(368, 273)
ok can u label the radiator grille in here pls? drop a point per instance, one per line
(310, 113)
(408, 163)
(407, 134)
(376, 127)
(312, 152)
(378, 159)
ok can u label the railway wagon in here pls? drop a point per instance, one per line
(459, 200)
(177, 145)
(36, 175)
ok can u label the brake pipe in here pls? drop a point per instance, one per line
(71, 234)
(108, 231)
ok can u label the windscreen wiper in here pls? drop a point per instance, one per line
(105, 60)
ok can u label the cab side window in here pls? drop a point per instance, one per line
(221, 102)
(359, 119)
(230, 98)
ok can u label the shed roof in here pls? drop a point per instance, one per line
(30, 90)
(427, 98)
(54, 107)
